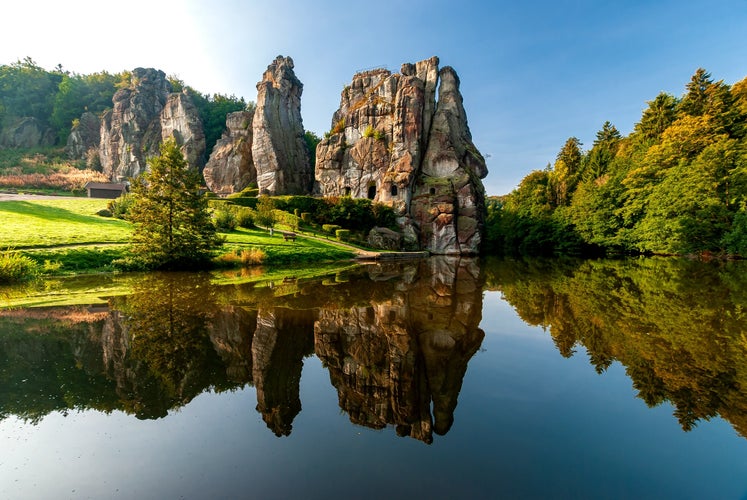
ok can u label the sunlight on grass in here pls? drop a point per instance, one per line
(45, 223)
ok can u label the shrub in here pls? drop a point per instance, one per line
(369, 131)
(330, 228)
(244, 217)
(342, 234)
(306, 217)
(224, 220)
(247, 257)
(251, 191)
(339, 127)
(16, 268)
(120, 207)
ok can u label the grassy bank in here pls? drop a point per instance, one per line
(65, 236)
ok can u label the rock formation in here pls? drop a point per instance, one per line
(280, 154)
(143, 115)
(231, 167)
(393, 143)
(85, 136)
(25, 132)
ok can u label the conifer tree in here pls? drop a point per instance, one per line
(173, 227)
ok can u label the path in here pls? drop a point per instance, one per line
(361, 254)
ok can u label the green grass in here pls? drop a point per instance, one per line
(67, 232)
(50, 223)
(281, 252)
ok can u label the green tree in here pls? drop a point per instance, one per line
(266, 215)
(79, 93)
(213, 110)
(311, 142)
(173, 227)
(566, 171)
(27, 90)
(602, 152)
(661, 112)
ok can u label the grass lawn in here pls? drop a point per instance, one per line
(51, 223)
(68, 231)
(281, 252)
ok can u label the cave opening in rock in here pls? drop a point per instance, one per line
(371, 192)
(393, 191)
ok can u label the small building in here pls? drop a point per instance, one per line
(109, 190)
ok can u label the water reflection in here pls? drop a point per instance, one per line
(396, 340)
(679, 327)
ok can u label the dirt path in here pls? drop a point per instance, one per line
(28, 197)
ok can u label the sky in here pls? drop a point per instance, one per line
(532, 74)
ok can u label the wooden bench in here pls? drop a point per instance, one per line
(289, 236)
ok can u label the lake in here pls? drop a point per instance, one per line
(443, 378)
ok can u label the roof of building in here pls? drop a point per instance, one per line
(114, 186)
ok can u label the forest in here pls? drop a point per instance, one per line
(58, 98)
(676, 185)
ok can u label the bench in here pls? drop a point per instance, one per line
(289, 236)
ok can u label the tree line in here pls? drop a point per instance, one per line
(57, 98)
(677, 184)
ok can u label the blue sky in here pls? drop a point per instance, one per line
(532, 73)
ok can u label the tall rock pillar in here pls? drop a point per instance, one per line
(280, 154)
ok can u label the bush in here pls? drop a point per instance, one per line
(244, 217)
(342, 234)
(247, 257)
(330, 228)
(306, 217)
(339, 127)
(120, 207)
(224, 220)
(250, 191)
(16, 268)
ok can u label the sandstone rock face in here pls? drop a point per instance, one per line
(393, 143)
(84, 136)
(25, 132)
(279, 151)
(231, 167)
(143, 115)
(181, 120)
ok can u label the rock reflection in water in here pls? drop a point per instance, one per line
(395, 338)
(391, 359)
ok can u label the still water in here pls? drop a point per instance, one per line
(440, 378)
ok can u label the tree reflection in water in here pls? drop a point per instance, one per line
(396, 339)
(678, 326)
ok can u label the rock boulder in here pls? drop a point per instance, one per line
(25, 132)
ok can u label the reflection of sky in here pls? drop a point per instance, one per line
(529, 424)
